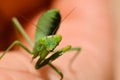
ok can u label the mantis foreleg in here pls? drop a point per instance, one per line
(55, 56)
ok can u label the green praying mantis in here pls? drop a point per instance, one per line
(46, 40)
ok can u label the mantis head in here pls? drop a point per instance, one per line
(50, 42)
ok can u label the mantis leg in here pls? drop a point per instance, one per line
(58, 71)
(13, 44)
(71, 61)
(76, 54)
(40, 63)
(53, 57)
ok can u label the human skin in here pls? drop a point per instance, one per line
(89, 26)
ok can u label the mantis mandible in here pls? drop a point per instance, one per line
(46, 40)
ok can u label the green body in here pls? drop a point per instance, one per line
(45, 40)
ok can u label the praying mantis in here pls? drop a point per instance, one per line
(46, 40)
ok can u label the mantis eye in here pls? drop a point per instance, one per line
(50, 42)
